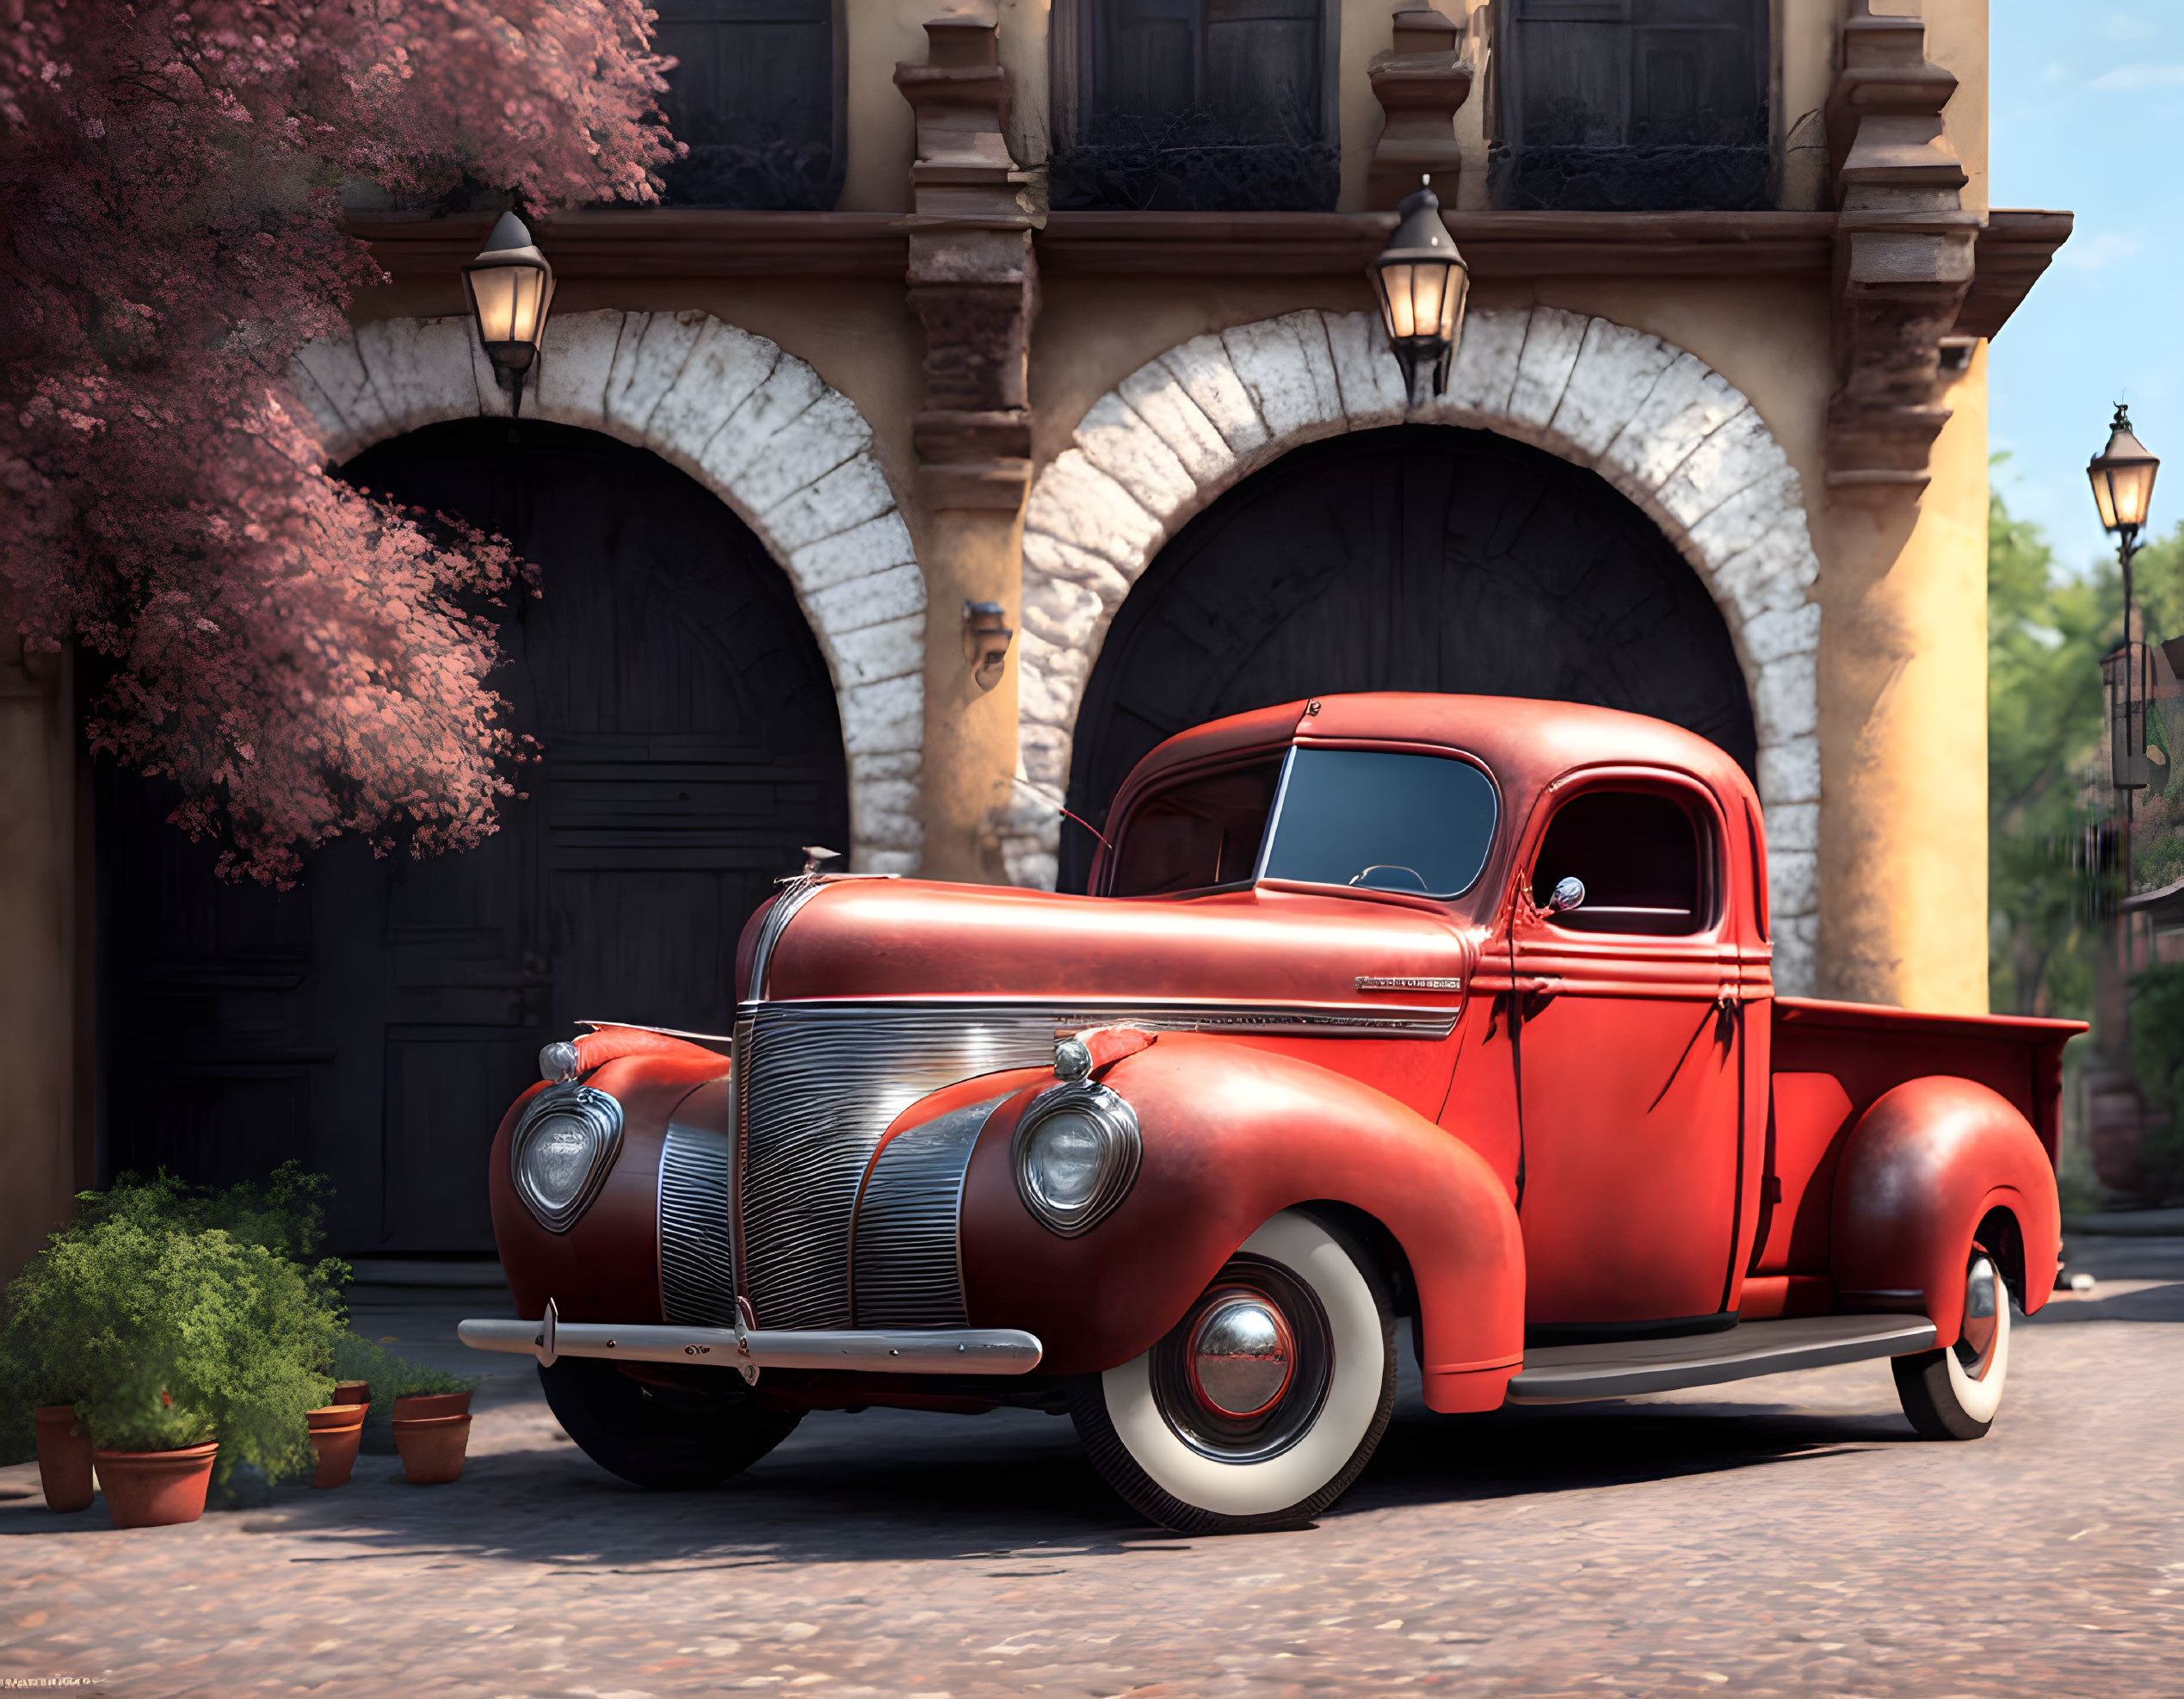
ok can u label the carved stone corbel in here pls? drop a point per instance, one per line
(1904, 253)
(1420, 83)
(972, 278)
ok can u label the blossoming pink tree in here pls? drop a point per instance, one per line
(301, 659)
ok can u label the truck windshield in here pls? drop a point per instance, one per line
(1380, 821)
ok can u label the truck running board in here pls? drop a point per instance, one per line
(1627, 1368)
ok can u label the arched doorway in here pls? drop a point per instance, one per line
(375, 1021)
(1413, 558)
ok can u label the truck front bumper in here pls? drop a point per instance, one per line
(938, 1350)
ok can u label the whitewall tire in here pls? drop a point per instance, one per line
(1265, 1402)
(1956, 1394)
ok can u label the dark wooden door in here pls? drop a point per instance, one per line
(375, 1021)
(1418, 558)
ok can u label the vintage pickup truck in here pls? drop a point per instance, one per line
(1450, 1009)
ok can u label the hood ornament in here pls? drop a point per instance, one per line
(813, 855)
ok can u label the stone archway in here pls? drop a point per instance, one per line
(1655, 420)
(759, 429)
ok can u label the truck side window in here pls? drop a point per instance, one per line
(1200, 831)
(1641, 857)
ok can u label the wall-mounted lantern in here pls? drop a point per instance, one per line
(510, 288)
(1422, 281)
(985, 641)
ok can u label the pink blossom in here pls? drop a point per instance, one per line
(304, 660)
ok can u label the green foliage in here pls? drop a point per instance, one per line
(2047, 632)
(170, 1316)
(356, 1358)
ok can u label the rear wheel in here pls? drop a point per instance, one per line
(660, 1435)
(1265, 1402)
(1955, 1393)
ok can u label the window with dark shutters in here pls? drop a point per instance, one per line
(1631, 105)
(758, 96)
(1195, 105)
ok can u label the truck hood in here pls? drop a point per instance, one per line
(912, 938)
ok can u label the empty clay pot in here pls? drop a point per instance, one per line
(157, 1489)
(432, 1447)
(336, 1432)
(418, 1406)
(64, 1458)
(352, 1392)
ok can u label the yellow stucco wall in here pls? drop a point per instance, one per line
(1903, 732)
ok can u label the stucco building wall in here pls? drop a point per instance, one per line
(1898, 881)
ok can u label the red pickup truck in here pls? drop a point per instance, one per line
(1449, 1009)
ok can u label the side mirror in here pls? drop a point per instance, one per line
(1568, 893)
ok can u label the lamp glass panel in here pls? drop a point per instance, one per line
(2132, 487)
(1394, 296)
(1457, 285)
(1427, 289)
(2103, 497)
(527, 316)
(493, 291)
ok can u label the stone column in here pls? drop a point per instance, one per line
(1902, 654)
(973, 285)
(1903, 254)
(1420, 83)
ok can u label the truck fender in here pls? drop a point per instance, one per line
(1925, 1165)
(1232, 1135)
(607, 1266)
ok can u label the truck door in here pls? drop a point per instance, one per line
(1626, 1045)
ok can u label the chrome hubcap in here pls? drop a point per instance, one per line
(1983, 1302)
(1242, 1356)
(1241, 1377)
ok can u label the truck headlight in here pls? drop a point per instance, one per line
(563, 1147)
(1075, 1155)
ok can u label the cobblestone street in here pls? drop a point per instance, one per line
(1787, 1537)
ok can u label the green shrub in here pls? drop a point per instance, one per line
(170, 1316)
(356, 1358)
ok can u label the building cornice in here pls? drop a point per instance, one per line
(2014, 248)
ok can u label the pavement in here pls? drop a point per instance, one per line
(1785, 1536)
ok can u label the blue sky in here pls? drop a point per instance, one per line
(2088, 118)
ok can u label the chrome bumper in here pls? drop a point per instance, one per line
(937, 1350)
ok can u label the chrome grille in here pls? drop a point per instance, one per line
(907, 1273)
(697, 1260)
(819, 1083)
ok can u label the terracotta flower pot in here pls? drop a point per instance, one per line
(432, 1447)
(418, 1404)
(64, 1458)
(352, 1392)
(336, 1432)
(156, 1489)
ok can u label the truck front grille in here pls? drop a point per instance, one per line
(819, 1084)
(822, 1083)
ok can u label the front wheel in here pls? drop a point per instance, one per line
(658, 1434)
(1955, 1393)
(1262, 1404)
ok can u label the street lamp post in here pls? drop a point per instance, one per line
(2122, 475)
(1421, 282)
(510, 288)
